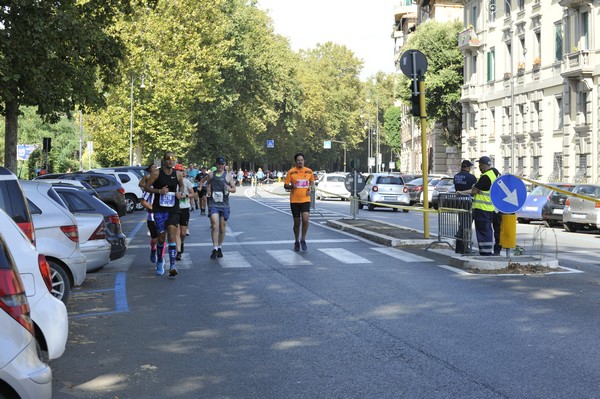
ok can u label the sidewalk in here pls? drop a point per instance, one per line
(401, 237)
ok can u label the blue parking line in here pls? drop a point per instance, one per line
(121, 304)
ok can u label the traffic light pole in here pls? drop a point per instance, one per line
(424, 153)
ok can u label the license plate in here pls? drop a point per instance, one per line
(531, 208)
(389, 198)
(557, 211)
(578, 216)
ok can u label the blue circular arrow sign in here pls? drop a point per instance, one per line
(508, 193)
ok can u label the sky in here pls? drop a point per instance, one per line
(364, 26)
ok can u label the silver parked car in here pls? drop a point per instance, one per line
(582, 214)
(384, 188)
(57, 237)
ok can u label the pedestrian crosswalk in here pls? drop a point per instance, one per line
(317, 214)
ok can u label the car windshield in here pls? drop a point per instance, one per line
(389, 180)
(540, 191)
(445, 183)
(335, 179)
(417, 182)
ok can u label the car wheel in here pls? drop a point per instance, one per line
(570, 227)
(370, 206)
(360, 205)
(405, 210)
(130, 201)
(61, 285)
(395, 209)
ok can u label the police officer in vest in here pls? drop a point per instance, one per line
(483, 209)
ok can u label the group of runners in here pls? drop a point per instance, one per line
(171, 192)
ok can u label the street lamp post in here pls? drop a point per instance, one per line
(378, 155)
(142, 86)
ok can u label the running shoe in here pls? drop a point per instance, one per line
(219, 253)
(153, 256)
(173, 271)
(303, 245)
(214, 254)
(297, 246)
(160, 267)
(178, 257)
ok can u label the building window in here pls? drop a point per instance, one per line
(507, 8)
(492, 11)
(535, 168)
(474, 67)
(506, 164)
(536, 117)
(474, 18)
(508, 56)
(520, 165)
(491, 64)
(521, 5)
(583, 106)
(520, 125)
(584, 31)
(558, 121)
(558, 41)
(492, 123)
(557, 167)
(538, 45)
(506, 120)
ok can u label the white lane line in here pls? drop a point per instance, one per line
(455, 270)
(287, 257)
(344, 256)
(402, 255)
(233, 260)
(269, 243)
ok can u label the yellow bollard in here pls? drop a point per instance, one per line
(508, 231)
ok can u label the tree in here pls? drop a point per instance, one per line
(444, 76)
(393, 129)
(55, 56)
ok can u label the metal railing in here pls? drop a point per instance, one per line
(455, 221)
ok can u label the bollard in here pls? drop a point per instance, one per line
(508, 231)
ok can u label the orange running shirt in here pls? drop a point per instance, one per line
(302, 179)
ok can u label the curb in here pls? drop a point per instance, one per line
(466, 261)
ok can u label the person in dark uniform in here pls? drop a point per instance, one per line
(200, 179)
(463, 183)
(167, 186)
(483, 209)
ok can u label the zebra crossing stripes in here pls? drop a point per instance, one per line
(344, 256)
(401, 255)
(287, 257)
(233, 260)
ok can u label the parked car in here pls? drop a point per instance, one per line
(408, 177)
(384, 188)
(140, 171)
(415, 187)
(57, 237)
(131, 183)
(582, 214)
(80, 185)
(22, 373)
(552, 211)
(332, 185)
(535, 202)
(81, 202)
(430, 187)
(443, 186)
(49, 315)
(13, 202)
(109, 190)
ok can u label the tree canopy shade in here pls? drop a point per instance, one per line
(55, 56)
(444, 76)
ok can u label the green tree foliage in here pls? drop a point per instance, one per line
(393, 129)
(444, 77)
(54, 56)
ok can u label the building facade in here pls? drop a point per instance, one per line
(530, 96)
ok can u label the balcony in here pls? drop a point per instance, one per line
(578, 64)
(468, 40)
(470, 93)
(574, 3)
(404, 7)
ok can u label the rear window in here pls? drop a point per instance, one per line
(13, 202)
(540, 190)
(389, 180)
(124, 178)
(590, 191)
(75, 202)
(336, 179)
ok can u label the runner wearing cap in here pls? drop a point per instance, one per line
(218, 186)
(186, 193)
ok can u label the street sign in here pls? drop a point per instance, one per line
(24, 151)
(327, 144)
(270, 143)
(508, 193)
(360, 182)
(413, 63)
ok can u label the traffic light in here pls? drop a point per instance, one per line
(416, 105)
(47, 144)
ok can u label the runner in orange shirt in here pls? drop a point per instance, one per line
(300, 180)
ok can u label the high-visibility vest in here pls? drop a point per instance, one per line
(482, 199)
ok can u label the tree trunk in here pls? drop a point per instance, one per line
(10, 135)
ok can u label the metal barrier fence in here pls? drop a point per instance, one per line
(455, 220)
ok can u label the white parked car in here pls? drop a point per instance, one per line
(57, 237)
(130, 182)
(384, 188)
(49, 314)
(22, 373)
(332, 185)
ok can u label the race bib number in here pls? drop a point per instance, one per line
(217, 196)
(167, 200)
(302, 183)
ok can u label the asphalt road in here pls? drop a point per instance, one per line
(347, 319)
